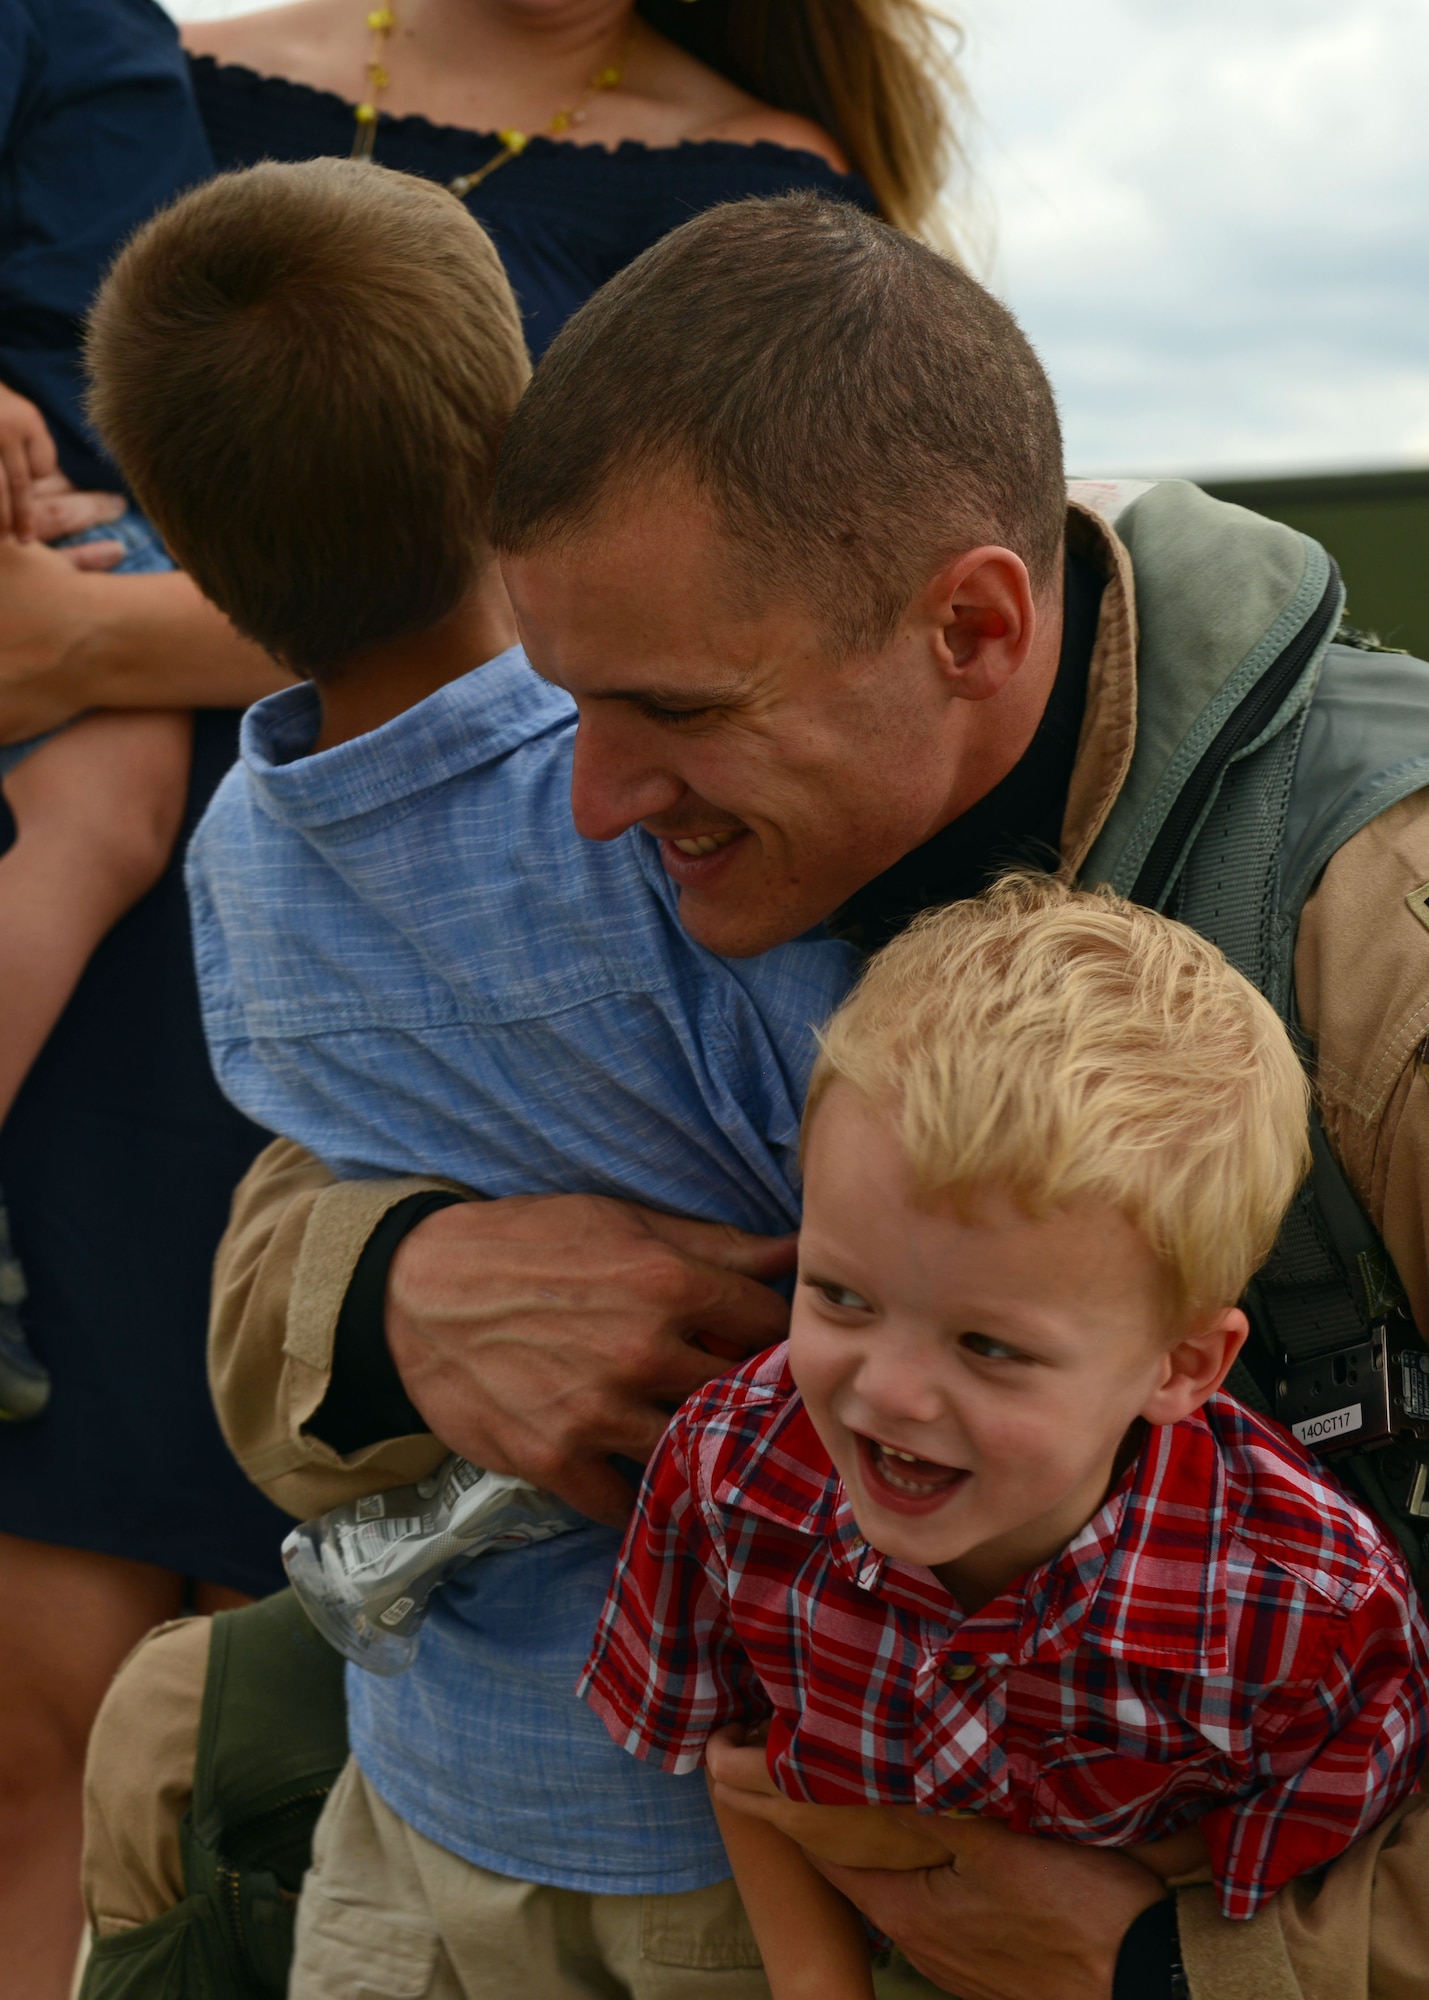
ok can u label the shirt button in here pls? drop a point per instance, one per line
(959, 1668)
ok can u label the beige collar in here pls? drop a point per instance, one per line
(1109, 725)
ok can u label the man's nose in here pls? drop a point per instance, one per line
(612, 787)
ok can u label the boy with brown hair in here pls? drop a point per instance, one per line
(341, 354)
(987, 1537)
(409, 960)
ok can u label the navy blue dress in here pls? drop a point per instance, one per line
(564, 217)
(97, 130)
(120, 1156)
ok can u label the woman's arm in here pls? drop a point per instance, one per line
(812, 1943)
(72, 640)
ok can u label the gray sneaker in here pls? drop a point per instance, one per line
(24, 1384)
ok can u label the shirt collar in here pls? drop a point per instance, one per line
(1145, 1579)
(1109, 723)
(467, 724)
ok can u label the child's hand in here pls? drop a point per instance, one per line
(27, 453)
(848, 1836)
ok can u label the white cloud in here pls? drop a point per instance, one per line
(1212, 219)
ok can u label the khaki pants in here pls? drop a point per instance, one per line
(386, 1914)
(139, 1779)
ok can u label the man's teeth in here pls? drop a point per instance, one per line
(704, 843)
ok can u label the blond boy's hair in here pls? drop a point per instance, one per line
(305, 373)
(1065, 1046)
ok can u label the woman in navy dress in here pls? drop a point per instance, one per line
(579, 132)
(622, 132)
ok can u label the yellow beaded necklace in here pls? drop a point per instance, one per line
(380, 22)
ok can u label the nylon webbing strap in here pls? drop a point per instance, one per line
(1303, 1291)
(1307, 1300)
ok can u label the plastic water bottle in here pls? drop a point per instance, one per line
(365, 1572)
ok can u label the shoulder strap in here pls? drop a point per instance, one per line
(1333, 1352)
(272, 1740)
(274, 1718)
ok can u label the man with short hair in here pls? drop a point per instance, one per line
(783, 512)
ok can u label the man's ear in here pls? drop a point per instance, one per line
(1197, 1365)
(980, 612)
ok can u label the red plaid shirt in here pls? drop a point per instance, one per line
(1230, 1642)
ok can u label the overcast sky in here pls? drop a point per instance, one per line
(1213, 218)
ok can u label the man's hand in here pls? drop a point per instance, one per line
(851, 1836)
(539, 1334)
(1009, 1917)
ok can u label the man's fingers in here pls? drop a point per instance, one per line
(720, 1243)
(871, 1889)
(734, 1310)
(93, 555)
(594, 1488)
(736, 1766)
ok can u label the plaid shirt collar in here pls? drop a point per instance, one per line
(1157, 1525)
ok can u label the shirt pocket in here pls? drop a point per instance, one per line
(1087, 1791)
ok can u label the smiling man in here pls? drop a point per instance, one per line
(783, 512)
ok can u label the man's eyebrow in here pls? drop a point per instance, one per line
(658, 694)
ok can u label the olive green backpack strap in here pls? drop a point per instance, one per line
(272, 1739)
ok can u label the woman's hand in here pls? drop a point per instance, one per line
(58, 508)
(27, 453)
(45, 614)
(849, 1836)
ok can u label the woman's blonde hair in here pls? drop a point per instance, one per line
(876, 74)
(1065, 1046)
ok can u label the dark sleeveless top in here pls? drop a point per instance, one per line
(564, 217)
(120, 1155)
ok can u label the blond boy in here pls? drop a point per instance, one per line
(988, 1537)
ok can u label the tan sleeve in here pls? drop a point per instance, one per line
(1359, 1931)
(1362, 983)
(283, 1269)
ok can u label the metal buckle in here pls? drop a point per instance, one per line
(1358, 1397)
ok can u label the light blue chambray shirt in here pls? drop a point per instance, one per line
(410, 962)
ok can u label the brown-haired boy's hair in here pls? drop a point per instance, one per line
(304, 373)
(854, 407)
